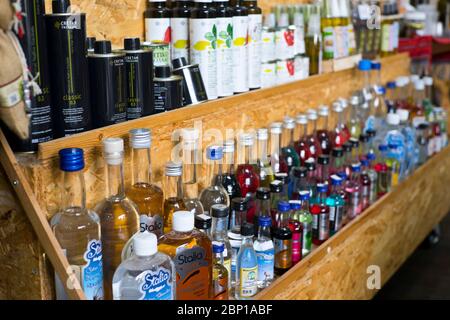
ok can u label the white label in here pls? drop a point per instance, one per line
(364, 11)
(157, 29)
(284, 43)
(203, 34)
(268, 75)
(299, 40)
(285, 71)
(180, 38)
(267, 46)
(10, 93)
(351, 38)
(240, 74)
(224, 57)
(254, 50)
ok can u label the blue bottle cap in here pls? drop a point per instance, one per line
(365, 162)
(364, 65)
(393, 146)
(391, 85)
(218, 247)
(371, 156)
(284, 206)
(336, 180)
(382, 147)
(304, 195)
(342, 175)
(356, 167)
(376, 65)
(264, 221)
(322, 187)
(382, 90)
(71, 159)
(214, 152)
(295, 204)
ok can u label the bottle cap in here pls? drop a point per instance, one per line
(343, 175)
(371, 133)
(300, 172)
(304, 195)
(348, 146)
(276, 186)
(393, 146)
(71, 159)
(365, 162)
(140, 138)
(354, 100)
(391, 85)
(284, 206)
(295, 204)
(382, 147)
(214, 152)
(263, 193)
(322, 187)
(218, 247)
(428, 81)
(113, 149)
(371, 156)
(247, 229)
(301, 119)
(312, 116)
(337, 152)
(264, 221)
(283, 177)
(310, 165)
(179, 63)
(323, 159)
(228, 146)
(288, 123)
(174, 169)
(337, 107)
(376, 65)
(240, 204)
(364, 65)
(343, 102)
(354, 142)
(356, 167)
(414, 77)
(183, 221)
(393, 119)
(219, 210)
(145, 244)
(162, 72)
(246, 139)
(203, 222)
(381, 91)
(419, 85)
(364, 138)
(102, 47)
(131, 44)
(262, 134)
(275, 127)
(336, 180)
(323, 110)
(60, 6)
(403, 114)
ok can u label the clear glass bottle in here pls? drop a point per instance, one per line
(282, 239)
(301, 145)
(77, 228)
(265, 252)
(373, 176)
(219, 214)
(277, 161)
(203, 224)
(247, 266)
(354, 124)
(262, 204)
(174, 193)
(323, 135)
(353, 193)
(237, 218)
(323, 168)
(215, 193)
(341, 134)
(394, 165)
(306, 219)
(312, 181)
(288, 151)
(347, 158)
(313, 44)
(336, 203)
(321, 216)
(229, 181)
(148, 197)
(337, 161)
(314, 145)
(146, 275)
(191, 250)
(119, 217)
(264, 168)
(299, 182)
(220, 281)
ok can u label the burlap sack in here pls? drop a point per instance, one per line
(12, 106)
(6, 14)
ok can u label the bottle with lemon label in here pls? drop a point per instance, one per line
(157, 21)
(179, 23)
(240, 48)
(254, 43)
(224, 48)
(203, 43)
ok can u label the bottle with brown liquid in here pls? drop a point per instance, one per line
(220, 273)
(191, 251)
(174, 193)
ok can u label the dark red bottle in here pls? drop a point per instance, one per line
(301, 145)
(321, 217)
(313, 142)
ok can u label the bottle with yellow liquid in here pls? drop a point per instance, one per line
(354, 123)
(219, 214)
(329, 23)
(174, 193)
(220, 285)
(313, 43)
(119, 217)
(264, 169)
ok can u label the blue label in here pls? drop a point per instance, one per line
(370, 123)
(92, 272)
(157, 285)
(266, 262)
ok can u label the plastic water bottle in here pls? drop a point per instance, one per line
(411, 148)
(394, 137)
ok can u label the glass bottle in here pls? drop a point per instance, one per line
(219, 214)
(365, 184)
(336, 203)
(305, 218)
(383, 185)
(148, 197)
(373, 176)
(174, 193)
(229, 181)
(355, 150)
(282, 238)
(246, 173)
(348, 158)
(363, 80)
(276, 191)
(313, 44)
(314, 145)
(394, 165)
(321, 216)
(224, 13)
(77, 228)
(203, 224)
(364, 140)
(191, 251)
(328, 23)
(418, 109)
(341, 133)
(237, 218)
(296, 228)
(299, 182)
(215, 193)
(301, 145)
(262, 204)
(337, 161)
(157, 21)
(323, 135)
(284, 179)
(323, 168)
(289, 154)
(119, 217)
(354, 124)
(390, 98)
(146, 275)
(220, 273)
(311, 180)
(254, 43)
(277, 160)
(247, 266)
(179, 25)
(353, 193)
(240, 46)
(264, 168)
(265, 252)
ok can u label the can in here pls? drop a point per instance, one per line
(69, 80)
(268, 74)
(194, 90)
(285, 71)
(139, 74)
(284, 42)
(267, 44)
(168, 90)
(161, 52)
(108, 85)
(34, 45)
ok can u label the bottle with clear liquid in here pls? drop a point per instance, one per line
(313, 143)
(337, 161)
(146, 275)
(191, 251)
(353, 193)
(394, 137)
(340, 134)
(215, 193)
(262, 204)
(265, 252)
(354, 124)
(411, 150)
(119, 216)
(277, 160)
(203, 223)
(148, 197)
(347, 158)
(247, 266)
(306, 219)
(219, 214)
(220, 282)
(288, 151)
(321, 216)
(77, 229)
(323, 168)
(299, 182)
(264, 168)
(282, 239)
(276, 195)
(394, 165)
(378, 93)
(237, 218)
(174, 193)
(323, 135)
(229, 180)
(301, 145)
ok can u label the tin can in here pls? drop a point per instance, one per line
(268, 74)
(161, 52)
(268, 44)
(285, 71)
(168, 90)
(108, 85)
(194, 90)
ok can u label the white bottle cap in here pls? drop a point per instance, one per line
(419, 85)
(301, 119)
(113, 150)
(145, 244)
(228, 146)
(399, 82)
(393, 119)
(405, 80)
(288, 123)
(312, 115)
(183, 221)
(428, 81)
(323, 110)
(414, 78)
(246, 139)
(262, 134)
(140, 138)
(275, 127)
(337, 107)
(403, 114)
(343, 102)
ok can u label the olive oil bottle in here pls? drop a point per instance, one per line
(313, 43)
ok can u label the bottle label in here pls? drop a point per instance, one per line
(248, 284)
(351, 39)
(307, 236)
(354, 204)
(220, 286)
(193, 273)
(385, 37)
(338, 42)
(240, 54)
(157, 29)
(284, 43)
(225, 57)
(180, 38)
(283, 253)
(156, 285)
(328, 36)
(152, 224)
(336, 215)
(254, 50)
(296, 247)
(323, 226)
(268, 45)
(285, 71)
(266, 262)
(299, 39)
(268, 74)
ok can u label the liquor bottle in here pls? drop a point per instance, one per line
(336, 203)
(364, 145)
(297, 235)
(328, 23)
(299, 182)
(314, 144)
(378, 92)
(254, 43)
(229, 181)
(393, 164)
(418, 98)
(311, 180)
(301, 145)
(353, 193)
(119, 217)
(157, 22)
(224, 50)
(148, 197)
(237, 218)
(220, 273)
(321, 216)
(341, 134)
(313, 44)
(347, 147)
(354, 124)
(247, 266)
(146, 275)
(337, 162)
(277, 160)
(191, 252)
(219, 214)
(179, 25)
(282, 239)
(355, 150)
(240, 47)
(265, 252)
(284, 180)
(203, 224)
(393, 136)
(263, 204)
(383, 185)
(390, 98)
(323, 169)
(215, 193)
(174, 193)
(305, 218)
(264, 168)
(276, 191)
(373, 177)
(363, 80)
(365, 184)
(296, 205)
(288, 151)
(77, 229)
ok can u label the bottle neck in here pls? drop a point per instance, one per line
(264, 232)
(218, 257)
(262, 151)
(219, 226)
(115, 180)
(74, 191)
(323, 123)
(247, 240)
(419, 97)
(305, 205)
(284, 219)
(215, 172)
(275, 143)
(312, 127)
(354, 111)
(246, 155)
(339, 119)
(321, 196)
(228, 161)
(335, 189)
(141, 166)
(174, 188)
(191, 159)
(264, 207)
(287, 137)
